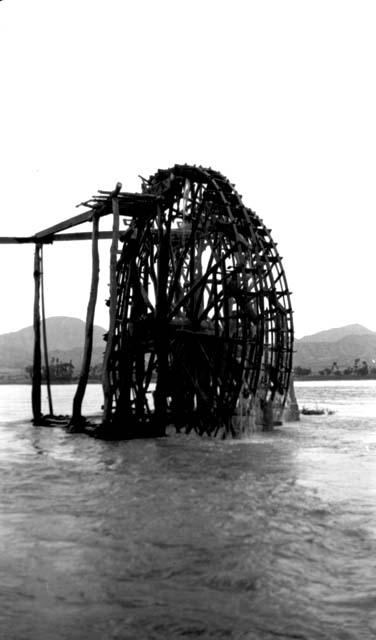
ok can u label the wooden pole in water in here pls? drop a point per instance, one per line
(44, 334)
(77, 419)
(37, 359)
(106, 380)
(161, 320)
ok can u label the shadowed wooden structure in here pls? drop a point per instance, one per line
(200, 320)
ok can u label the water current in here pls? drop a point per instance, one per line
(269, 537)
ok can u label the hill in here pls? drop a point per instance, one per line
(342, 345)
(332, 335)
(65, 338)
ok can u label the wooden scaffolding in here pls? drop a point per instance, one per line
(200, 318)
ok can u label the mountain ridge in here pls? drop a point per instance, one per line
(65, 340)
(317, 352)
(337, 333)
(66, 335)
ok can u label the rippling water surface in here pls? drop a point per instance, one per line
(272, 537)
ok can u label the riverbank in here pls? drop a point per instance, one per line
(332, 378)
(26, 382)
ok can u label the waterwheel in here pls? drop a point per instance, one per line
(203, 309)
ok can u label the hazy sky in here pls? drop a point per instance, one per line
(278, 95)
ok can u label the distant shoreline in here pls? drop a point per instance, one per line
(296, 379)
(319, 378)
(54, 382)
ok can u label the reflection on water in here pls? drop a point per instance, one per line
(273, 537)
(15, 400)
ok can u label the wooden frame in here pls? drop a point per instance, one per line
(198, 292)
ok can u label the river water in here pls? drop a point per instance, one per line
(270, 537)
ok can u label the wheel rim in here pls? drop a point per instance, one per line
(203, 308)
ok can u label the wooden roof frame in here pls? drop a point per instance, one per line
(130, 205)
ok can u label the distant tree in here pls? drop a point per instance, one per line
(335, 368)
(59, 371)
(363, 370)
(302, 371)
(95, 372)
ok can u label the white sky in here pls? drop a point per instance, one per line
(279, 95)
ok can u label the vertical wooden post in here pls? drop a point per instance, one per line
(77, 420)
(44, 333)
(291, 413)
(37, 359)
(106, 379)
(161, 346)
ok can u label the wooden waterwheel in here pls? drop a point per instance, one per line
(203, 310)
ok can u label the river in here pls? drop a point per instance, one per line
(269, 537)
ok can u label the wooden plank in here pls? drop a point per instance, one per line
(66, 224)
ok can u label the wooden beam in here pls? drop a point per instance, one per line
(16, 240)
(68, 237)
(61, 237)
(66, 224)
